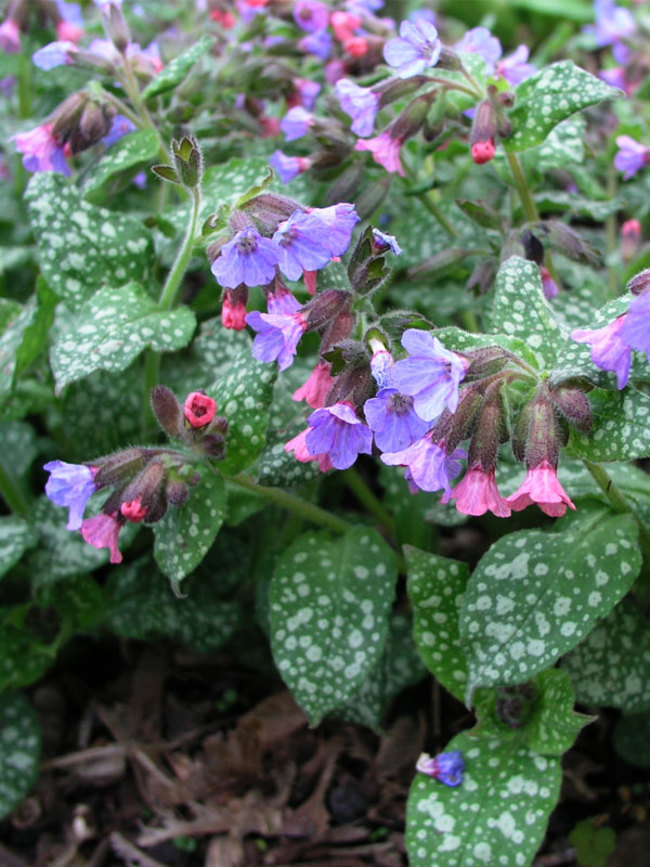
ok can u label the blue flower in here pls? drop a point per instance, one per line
(278, 336)
(447, 768)
(340, 221)
(631, 157)
(318, 43)
(296, 123)
(288, 167)
(635, 330)
(303, 241)
(415, 49)
(120, 127)
(480, 41)
(248, 258)
(432, 374)
(382, 242)
(54, 54)
(70, 485)
(361, 103)
(337, 432)
(429, 466)
(608, 350)
(391, 418)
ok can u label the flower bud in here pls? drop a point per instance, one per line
(213, 445)
(199, 409)
(485, 362)
(482, 277)
(515, 704)
(411, 119)
(574, 405)
(115, 26)
(639, 283)
(538, 435)
(66, 117)
(119, 467)
(484, 126)
(268, 209)
(323, 308)
(188, 160)
(146, 492)
(167, 410)
(448, 59)
(177, 492)
(233, 310)
(393, 89)
(95, 122)
(491, 430)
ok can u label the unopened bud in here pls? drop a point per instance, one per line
(574, 405)
(323, 308)
(485, 362)
(115, 26)
(199, 409)
(397, 88)
(639, 283)
(66, 117)
(448, 59)
(177, 492)
(120, 466)
(630, 240)
(145, 494)
(167, 410)
(188, 160)
(233, 311)
(491, 430)
(213, 445)
(483, 151)
(268, 209)
(409, 122)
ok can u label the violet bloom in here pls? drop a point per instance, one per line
(296, 123)
(120, 127)
(391, 418)
(608, 349)
(70, 485)
(315, 389)
(382, 242)
(429, 466)
(9, 36)
(301, 453)
(311, 15)
(303, 241)
(103, 531)
(306, 92)
(248, 258)
(380, 367)
(447, 768)
(41, 151)
(278, 336)
(431, 375)
(340, 221)
(613, 24)
(549, 285)
(55, 54)
(515, 68)
(361, 103)
(288, 167)
(631, 157)
(415, 49)
(385, 151)
(337, 431)
(71, 26)
(281, 300)
(477, 493)
(318, 43)
(635, 330)
(541, 486)
(480, 41)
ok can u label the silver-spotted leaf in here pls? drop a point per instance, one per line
(176, 70)
(130, 151)
(621, 428)
(20, 746)
(16, 536)
(330, 601)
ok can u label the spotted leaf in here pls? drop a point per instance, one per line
(129, 152)
(435, 587)
(20, 746)
(550, 96)
(621, 428)
(535, 595)
(329, 605)
(176, 70)
(497, 816)
(16, 536)
(112, 328)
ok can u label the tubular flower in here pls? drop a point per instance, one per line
(278, 336)
(447, 768)
(199, 409)
(103, 531)
(543, 487)
(609, 351)
(429, 466)
(477, 493)
(337, 431)
(70, 485)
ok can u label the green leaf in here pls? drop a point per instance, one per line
(594, 843)
(25, 333)
(78, 600)
(535, 595)
(565, 146)
(20, 746)
(114, 327)
(82, 247)
(16, 536)
(132, 150)
(141, 605)
(611, 667)
(329, 606)
(435, 587)
(208, 358)
(244, 395)
(621, 428)
(498, 815)
(630, 738)
(521, 310)
(25, 659)
(399, 667)
(185, 535)
(18, 440)
(550, 96)
(176, 70)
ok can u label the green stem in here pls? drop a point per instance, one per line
(611, 235)
(617, 500)
(12, 493)
(431, 206)
(307, 511)
(24, 88)
(122, 108)
(133, 92)
(366, 497)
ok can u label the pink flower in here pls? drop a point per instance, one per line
(233, 311)
(199, 409)
(41, 151)
(102, 531)
(301, 453)
(66, 31)
(477, 494)
(133, 510)
(385, 151)
(483, 151)
(9, 37)
(543, 487)
(314, 391)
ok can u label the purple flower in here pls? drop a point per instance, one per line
(280, 300)
(447, 768)
(70, 13)
(383, 242)
(515, 67)
(361, 103)
(54, 54)
(635, 330)
(318, 43)
(337, 432)
(296, 123)
(385, 150)
(380, 367)
(631, 156)
(340, 221)
(278, 336)
(303, 241)
(429, 466)
(431, 375)
(120, 127)
(415, 49)
(608, 350)
(70, 485)
(311, 15)
(41, 151)
(306, 92)
(480, 41)
(613, 24)
(9, 36)
(391, 417)
(288, 167)
(248, 258)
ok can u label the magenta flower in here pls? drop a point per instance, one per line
(549, 285)
(199, 409)
(385, 151)
(635, 330)
(431, 375)
(515, 68)
(288, 167)
(311, 15)
(447, 768)
(314, 390)
(303, 242)
(9, 36)
(70, 485)
(337, 431)
(631, 157)
(480, 41)
(41, 151)
(543, 487)
(477, 493)
(134, 511)
(415, 49)
(429, 466)
(103, 531)
(278, 336)
(608, 349)
(361, 103)
(248, 258)
(393, 421)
